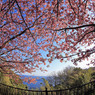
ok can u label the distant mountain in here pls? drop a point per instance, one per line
(38, 84)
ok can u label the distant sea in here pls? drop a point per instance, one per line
(38, 84)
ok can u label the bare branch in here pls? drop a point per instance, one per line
(14, 61)
(91, 51)
(6, 5)
(85, 35)
(23, 18)
(4, 25)
(11, 50)
(72, 7)
(6, 66)
(9, 8)
(82, 26)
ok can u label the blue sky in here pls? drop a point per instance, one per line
(56, 66)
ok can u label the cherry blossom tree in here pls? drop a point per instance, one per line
(58, 27)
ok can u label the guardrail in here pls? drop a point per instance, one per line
(85, 89)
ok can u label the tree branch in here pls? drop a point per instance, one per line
(6, 66)
(82, 26)
(85, 35)
(15, 61)
(6, 6)
(9, 8)
(23, 18)
(72, 7)
(11, 50)
(91, 51)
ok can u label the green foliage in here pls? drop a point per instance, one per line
(47, 85)
(71, 77)
(5, 79)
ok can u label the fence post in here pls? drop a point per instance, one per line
(46, 91)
